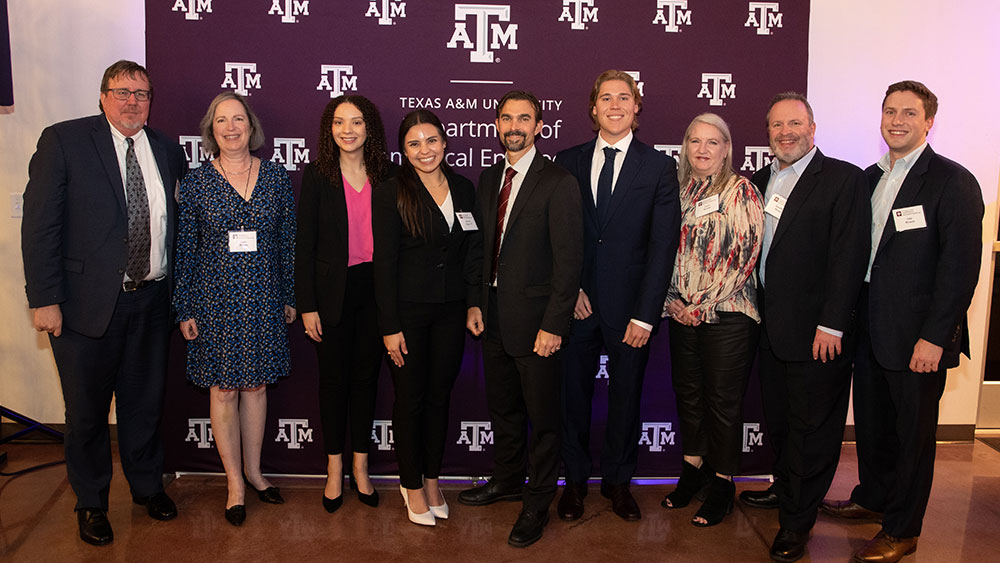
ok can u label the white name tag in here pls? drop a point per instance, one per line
(775, 206)
(706, 206)
(242, 241)
(909, 218)
(466, 221)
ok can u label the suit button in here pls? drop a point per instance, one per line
(125, 240)
(440, 266)
(600, 241)
(121, 270)
(444, 249)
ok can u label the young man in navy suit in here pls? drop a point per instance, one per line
(631, 228)
(927, 214)
(97, 242)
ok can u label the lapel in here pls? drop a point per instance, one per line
(527, 186)
(490, 190)
(439, 223)
(105, 145)
(907, 195)
(799, 196)
(337, 201)
(585, 163)
(633, 161)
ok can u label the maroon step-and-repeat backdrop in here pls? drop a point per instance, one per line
(291, 56)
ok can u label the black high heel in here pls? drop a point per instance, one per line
(370, 499)
(692, 482)
(718, 504)
(270, 495)
(332, 504)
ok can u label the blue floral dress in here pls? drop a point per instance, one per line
(236, 298)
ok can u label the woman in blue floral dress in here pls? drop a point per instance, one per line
(234, 293)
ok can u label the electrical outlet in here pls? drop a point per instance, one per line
(16, 206)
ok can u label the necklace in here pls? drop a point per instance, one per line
(439, 184)
(246, 187)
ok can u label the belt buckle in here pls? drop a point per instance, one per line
(130, 286)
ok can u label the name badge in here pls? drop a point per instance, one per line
(909, 218)
(242, 241)
(775, 206)
(706, 206)
(466, 221)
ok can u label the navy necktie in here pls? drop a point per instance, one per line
(604, 183)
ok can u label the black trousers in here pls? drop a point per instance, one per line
(350, 356)
(522, 395)
(805, 408)
(710, 366)
(626, 368)
(895, 416)
(129, 361)
(435, 338)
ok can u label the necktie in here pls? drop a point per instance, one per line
(508, 180)
(137, 266)
(604, 183)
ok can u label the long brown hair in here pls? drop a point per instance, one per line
(412, 210)
(375, 152)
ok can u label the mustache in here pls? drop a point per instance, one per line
(514, 133)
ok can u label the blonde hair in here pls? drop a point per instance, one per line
(684, 170)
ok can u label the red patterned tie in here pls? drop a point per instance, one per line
(508, 179)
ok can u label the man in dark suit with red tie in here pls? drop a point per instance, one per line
(97, 241)
(525, 272)
(631, 229)
(927, 214)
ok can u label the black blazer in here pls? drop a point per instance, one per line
(538, 274)
(429, 269)
(628, 261)
(74, 234)
(922, 280)
(818, 256)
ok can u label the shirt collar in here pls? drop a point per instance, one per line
(798, 167)
(523, 164)
(119, 137)
(907, 161)
(622, 144)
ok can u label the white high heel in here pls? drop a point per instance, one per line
(424, 518)
(440, 511)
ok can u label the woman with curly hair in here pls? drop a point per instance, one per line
(334, 283)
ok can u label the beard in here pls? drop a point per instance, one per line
(515, 140)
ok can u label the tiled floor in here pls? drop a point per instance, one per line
(37, 523)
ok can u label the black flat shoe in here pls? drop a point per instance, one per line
(270, 495)
(718, 504)
(692, 483)
(235, 515)
(370, 499)
(332, 504)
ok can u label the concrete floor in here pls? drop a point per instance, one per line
(37, 523)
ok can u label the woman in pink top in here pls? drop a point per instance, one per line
(334, 283)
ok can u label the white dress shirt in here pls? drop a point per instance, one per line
(885, 194)
(598, 162)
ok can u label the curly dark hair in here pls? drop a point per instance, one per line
(412, 211)
(376, 154)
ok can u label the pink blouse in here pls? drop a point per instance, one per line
(359, 223)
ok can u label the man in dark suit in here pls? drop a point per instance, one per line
(811, 268)
(631, 227)
(927, 214)
(525, 270)
(97, 241)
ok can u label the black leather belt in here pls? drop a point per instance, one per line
(133, 285)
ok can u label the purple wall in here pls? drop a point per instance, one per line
(291, 57)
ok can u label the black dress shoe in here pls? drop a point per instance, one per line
(760, 499)
(158, 506)
(332, 504)
(571, 501)
(371, 499)
(621, 501)
(235, 515)
(489, 493)
(528, 528)
(270, 495)
(789, 546)
(94, 526)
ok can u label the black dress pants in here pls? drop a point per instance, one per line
(435, 338)
(805, 408)
(350, 356)
(128, 361)
(710, 366)
(895, 415)
(522, 395)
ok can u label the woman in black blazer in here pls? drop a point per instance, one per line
(422, 219)
(334, 282)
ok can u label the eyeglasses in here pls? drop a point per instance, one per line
(123, 94)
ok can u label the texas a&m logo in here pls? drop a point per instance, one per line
(294, 431)
(752, 436)
(756, 157)
(241, 77)
(382, 434)
(338, 79)
(656, 435)
(385, 10)
(717, 86)
(488, 34)
(193, 150)
(764, 16)
(638, 83)
(672, 14)
(200, 431)
(288, 9)
(290, 152)
(579, 12)
(673, 151)
(192, 8)
(602, 368)
(475, 433)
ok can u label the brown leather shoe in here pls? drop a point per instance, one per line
(849, 509)
(884, 548)
(622, 502)
(571, 503)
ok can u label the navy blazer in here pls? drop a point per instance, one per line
(818, 256)
(628, 260)
(538, 274)
(421, 269)
(74, 235)
(922, 280)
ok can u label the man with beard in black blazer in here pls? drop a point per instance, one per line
(812, 264)
(525, 270)
(927, 214)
